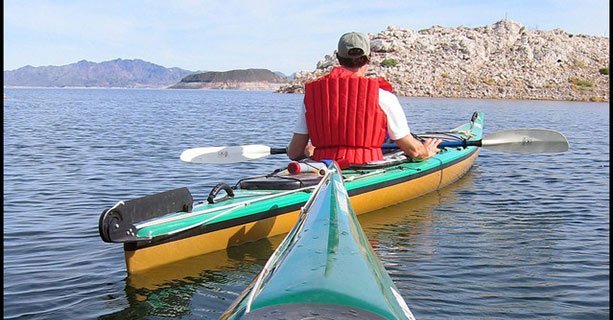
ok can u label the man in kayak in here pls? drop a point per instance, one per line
(348, 115)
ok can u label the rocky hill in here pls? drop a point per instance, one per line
(501, 61)
(249, 79)
(116, 73)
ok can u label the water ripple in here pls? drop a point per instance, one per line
(520, 237)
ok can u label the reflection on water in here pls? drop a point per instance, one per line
(169, 291)
(410, 225)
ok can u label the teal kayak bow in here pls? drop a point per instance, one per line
(324, 269)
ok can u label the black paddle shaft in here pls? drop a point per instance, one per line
(278, 150)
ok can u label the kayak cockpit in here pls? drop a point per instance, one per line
(311, 173)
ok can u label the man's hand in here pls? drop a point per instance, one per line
(309, 150)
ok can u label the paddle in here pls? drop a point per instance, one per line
(229, 154)
(514, 141)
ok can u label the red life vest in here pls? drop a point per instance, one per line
(344, 119)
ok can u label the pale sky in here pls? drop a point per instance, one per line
(222, 35)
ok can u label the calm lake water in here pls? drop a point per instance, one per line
(520, 237)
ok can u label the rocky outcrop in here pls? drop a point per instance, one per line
(250, 79)
(499, 61)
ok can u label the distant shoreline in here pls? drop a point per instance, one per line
(273, 91)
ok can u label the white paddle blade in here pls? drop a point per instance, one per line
(225, 154)
(526, 141)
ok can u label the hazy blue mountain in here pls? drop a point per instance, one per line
(115, 73)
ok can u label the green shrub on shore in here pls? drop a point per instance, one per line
(604, 71)
(580, 83)
(389, 62)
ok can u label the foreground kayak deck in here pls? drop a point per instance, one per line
(325, 268)
(172, 230)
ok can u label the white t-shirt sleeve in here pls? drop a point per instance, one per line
(301, 126)
(397, 126)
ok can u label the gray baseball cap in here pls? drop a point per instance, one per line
(353, 40)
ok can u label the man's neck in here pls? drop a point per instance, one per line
(361, 71)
